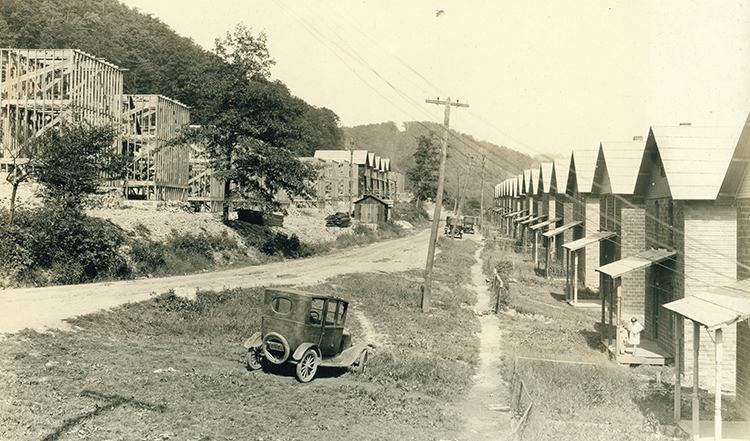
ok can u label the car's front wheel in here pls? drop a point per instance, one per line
(307, 366)
(254, 358)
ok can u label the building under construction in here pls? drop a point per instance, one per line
(40, 88)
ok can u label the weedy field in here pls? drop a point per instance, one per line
(582, 396)
(173, 368)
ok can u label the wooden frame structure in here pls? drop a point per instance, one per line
(40, 88)
(157, 171)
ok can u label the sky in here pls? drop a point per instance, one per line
(540, 76)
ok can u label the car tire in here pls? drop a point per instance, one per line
(307, 366)
(274, 357)
(254, 358)
(359, 365)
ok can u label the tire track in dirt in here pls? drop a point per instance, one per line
(489, 387)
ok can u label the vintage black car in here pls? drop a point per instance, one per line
(468, 225)
(454, 226)
(305, 329)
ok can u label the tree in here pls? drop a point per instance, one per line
(424, 174)
(70, 162)
(256, 127)
(247, 54)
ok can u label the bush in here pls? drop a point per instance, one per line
(60, 246)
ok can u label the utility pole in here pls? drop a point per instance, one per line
(481, 197)
(351, 175)
(427, 293)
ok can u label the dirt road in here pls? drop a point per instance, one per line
(46, 308)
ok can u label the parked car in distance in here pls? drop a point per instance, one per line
(452, 222)
(305, 329)
(468, 224)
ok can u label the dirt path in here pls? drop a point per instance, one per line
(489, 388)
(46, 308)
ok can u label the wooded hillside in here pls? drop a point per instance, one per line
(464, 153)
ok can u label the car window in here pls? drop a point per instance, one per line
(316, 311)
(281, 305)
(330, 315)
(341, 315)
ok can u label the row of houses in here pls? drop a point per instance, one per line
(660, 228)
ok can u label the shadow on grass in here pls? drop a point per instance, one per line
(111, 402)
(593, 338)
(557, 296)
(289, 370)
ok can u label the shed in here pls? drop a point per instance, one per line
(371, 210)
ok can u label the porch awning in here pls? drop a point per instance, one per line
(716, 307)
(515, 213)
(533, 219)
(545, 223)
(559, 230)
(640, 260)
(588, 240)
(523, 218)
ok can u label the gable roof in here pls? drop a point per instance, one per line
(526, 181)
(561, 172)
(695, 159)
(620, 161)
(582, 167)
(532, 189)
(545, 177)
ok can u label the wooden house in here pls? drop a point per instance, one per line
(623, 229)
(547, 189)
(531, 180)
(40, 88)
(583, 261)
(371, 210)
(687, 184)
(563, 231)
(514, 207)
(546, 197)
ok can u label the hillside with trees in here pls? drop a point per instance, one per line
(158, 60)
(464, 154)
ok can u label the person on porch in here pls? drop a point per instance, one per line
(634, 333)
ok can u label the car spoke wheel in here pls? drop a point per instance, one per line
(275, 348)
(307, 366)
(254, 358)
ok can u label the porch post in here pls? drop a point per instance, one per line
(696, 404)
(677, 383)
(618, 341)
(611, 312)
(536, 248)
(717, 400)
(575, 277)
(546, 266)
(604, 303)
(566, 255)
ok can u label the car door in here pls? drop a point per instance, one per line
(333, 328)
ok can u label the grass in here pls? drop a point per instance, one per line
(596, 401)
(172, 368)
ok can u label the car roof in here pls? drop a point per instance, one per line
(296, 292)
